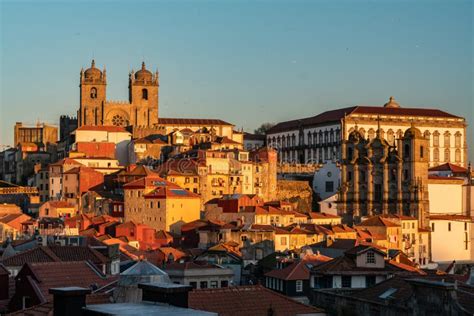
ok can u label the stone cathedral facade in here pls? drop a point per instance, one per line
(378, 177)
(141, 109)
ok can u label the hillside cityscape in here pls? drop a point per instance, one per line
(362, 209)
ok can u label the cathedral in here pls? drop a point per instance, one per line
(141, 109)
(140, 113)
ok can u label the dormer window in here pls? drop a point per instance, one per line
(93, 93)
(145, 94)
(370, 258)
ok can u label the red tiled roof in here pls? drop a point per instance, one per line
(377, 110)
(378, 221)
(322, 215)
(297, 270)
(449, 217)
(449, 167)
(170, 191)
(55, 254)
(253, 300)
(191, 121)
(63, 274)
(66, 161)
(110, 129)
(34, 255)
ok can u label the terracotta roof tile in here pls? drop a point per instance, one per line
(191, 121)
(247, 300)
(449, 167)
(62, 274)
(110, 129)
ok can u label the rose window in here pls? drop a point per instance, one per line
(118, 120)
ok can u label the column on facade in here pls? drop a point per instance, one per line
(370, 189)
(399, 188)
(356, 191)
(343, 190)
(385, 188)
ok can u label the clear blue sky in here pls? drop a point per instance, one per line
(246, 62)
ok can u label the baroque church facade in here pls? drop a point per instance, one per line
(379, 177)
(140, 110)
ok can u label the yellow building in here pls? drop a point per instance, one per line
(160, 204)
(213, 174)
(384, 229)
(324, 218)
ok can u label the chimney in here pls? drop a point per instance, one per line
(168, 293)
(69, 300)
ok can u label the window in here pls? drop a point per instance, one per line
(436, 154)
(299, 285)
(465, 226)
(436, 139)
(421, 151)
(283, 241)
(349, 176)
(213, 284)
(449, 227)
(93, 93)
(243, 238)
(329, 186)
(224, 283)
(258, 253)
(457, 140)
(370, 258)
(446, 155)
(457, 155)
(432, 227)
(203, 284)
(145, 94)
(346, 281)
(193, 284)
(369, 280)
(447, 137)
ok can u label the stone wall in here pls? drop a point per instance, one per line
(297, 192)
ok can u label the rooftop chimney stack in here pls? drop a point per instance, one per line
(69, 300)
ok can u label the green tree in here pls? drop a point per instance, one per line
(262, 130)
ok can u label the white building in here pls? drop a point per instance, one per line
(318, 138)
(451, 238)
(112, 134)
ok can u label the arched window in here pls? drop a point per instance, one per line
(436, 139)
(145, 94)
(447, 155)
(457, 140)
(309, 139)
(93, 93)
(436, 154)
(447, 140)
(458, 155)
